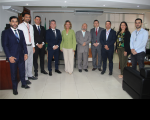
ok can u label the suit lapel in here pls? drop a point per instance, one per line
(105, 35)
(53, 32)
(36, 29)
(12, 33)
(19, 34)
(99, 31)
(81, 34)
(110, 34)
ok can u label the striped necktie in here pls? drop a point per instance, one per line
(16, 34)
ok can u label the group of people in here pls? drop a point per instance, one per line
(23, 44)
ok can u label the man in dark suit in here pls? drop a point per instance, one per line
(53, 38)
(39, 39)
(14, 46)
(108, 38)
(96, 45)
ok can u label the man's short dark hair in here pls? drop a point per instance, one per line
(25, 14)
(13, 17)
(108, 21)
(96, 21)
(53, 21)
(38, 17)
(139, 19)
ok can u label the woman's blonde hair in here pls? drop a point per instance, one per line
(67, 21)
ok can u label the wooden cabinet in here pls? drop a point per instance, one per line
(5, 75)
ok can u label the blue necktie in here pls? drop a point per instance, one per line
(39, 30)
(17, 36)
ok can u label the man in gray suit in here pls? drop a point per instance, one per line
(83, 39)
(96, 46)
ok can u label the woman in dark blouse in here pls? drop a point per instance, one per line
(123, 46)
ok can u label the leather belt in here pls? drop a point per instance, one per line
(29, 44)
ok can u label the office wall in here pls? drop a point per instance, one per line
(78, 20)
(147, 21)
(4, 19)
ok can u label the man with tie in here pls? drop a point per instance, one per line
(53, 38)
(96, 46)
(29, 38)
(108, 38)
(83, 39)
(14, 46)
(39, 39)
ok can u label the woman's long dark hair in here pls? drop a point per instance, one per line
(127, 29)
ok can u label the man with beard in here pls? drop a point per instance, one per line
(29, 37)
(138, 43)
(14, 46)
(83, 39)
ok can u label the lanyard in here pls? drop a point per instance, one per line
(137, 35)
(27, 27)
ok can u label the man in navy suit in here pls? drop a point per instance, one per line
(108, 38)
(53, 38)
(14, 46)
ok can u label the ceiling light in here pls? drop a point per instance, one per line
(65, 1)
(104, 5)
(27, 4)
(138, 6)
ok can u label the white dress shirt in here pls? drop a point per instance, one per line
(97, 29)
(24, 28)
(37, 26)
(16, 31)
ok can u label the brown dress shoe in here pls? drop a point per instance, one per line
(100, 69)
(94, 69)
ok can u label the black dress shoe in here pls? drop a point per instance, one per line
(86, 70)
(100, 69)
(80, 70)
(44, 72)
(15, 92)
(25, 86)
(94, 69)
(57, 71)
(110, 73)
(32, 78)
(36, 74)
(103, 72)
(28, 82)
(50, 73)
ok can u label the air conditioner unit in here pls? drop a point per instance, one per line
(13, 9)
(88, 12)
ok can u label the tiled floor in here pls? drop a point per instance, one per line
(91, 85)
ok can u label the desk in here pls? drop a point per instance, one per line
(5, 75)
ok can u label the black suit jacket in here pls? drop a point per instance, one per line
(126, 42)
(39, 38)
(111, 39)
(51, 40)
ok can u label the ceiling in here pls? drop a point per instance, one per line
(126, 4)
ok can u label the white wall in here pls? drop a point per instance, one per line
(147, 21)
(4, 19)
(78, 20)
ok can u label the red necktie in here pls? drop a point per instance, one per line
(96, 34)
